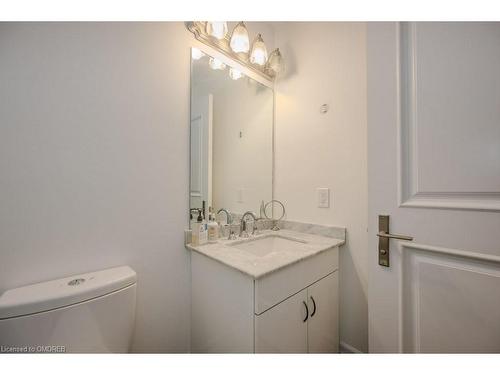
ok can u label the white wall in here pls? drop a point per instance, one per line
(94, 127)
(326, 63)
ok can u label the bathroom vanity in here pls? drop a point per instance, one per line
(276, 292)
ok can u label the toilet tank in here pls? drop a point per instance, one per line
(88, 313)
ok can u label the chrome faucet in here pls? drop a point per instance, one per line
(243, 224)
(229, 221)
(229, 217)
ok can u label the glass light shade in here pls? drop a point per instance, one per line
(235, 74)
(240, 43)
(276, 63)
(216, 64)
(258, 55)
(217, 29)
(196, 54)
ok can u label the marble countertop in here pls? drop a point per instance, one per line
(256, 266)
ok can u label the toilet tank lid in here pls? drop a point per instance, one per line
(67, 291)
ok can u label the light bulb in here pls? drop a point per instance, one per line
(216, 64)
(276, 63)
(217, 29)
(196, 54)
(235, 74)
(259, 51)
(240, 42)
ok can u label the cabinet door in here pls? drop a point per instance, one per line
(282, 329)
(323, 331)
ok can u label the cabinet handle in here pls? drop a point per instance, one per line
(307, 311)
(314, 307)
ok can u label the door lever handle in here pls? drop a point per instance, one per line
(395, 236)
(383, 239)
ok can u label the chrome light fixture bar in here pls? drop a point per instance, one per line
(199, 30)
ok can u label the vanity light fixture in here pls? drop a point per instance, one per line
(240, 42)
(259, 51)
(196, 54)
(275, 63)
(235, 74)
(216, 64)
(236, 46)
(216, 29)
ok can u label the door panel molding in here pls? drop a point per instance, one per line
(451, 252)
(410, 193)
(435, 282)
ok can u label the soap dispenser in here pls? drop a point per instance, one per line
(213, 227)
(199, 231)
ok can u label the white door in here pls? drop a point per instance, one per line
(201, 151)
(434, 168)
(283, 328)
(322, 325)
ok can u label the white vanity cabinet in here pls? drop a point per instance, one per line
(325, 319)
(232, 312)
(306, 322)
(282, 329)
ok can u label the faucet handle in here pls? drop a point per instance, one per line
(230, 233)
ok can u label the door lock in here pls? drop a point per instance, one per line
(383, 239)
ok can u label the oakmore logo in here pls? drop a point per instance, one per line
(33, 349)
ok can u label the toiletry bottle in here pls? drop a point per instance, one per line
(195, 229)
(213, 227)
(192, 218)
(199, 231)
(202, 233)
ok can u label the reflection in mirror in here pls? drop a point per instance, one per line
(231, 138)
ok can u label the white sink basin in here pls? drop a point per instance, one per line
(261, 247)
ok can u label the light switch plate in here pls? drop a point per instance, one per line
(323, 197)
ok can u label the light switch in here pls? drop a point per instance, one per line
(323, 197)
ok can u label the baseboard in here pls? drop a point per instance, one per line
(348, 349)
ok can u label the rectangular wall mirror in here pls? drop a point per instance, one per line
(231, 137)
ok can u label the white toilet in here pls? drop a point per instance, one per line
(89, 313)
